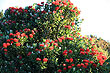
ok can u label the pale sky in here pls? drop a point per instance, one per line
(96, 14)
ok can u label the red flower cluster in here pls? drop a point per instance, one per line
(68, 26)
(45, 60)
(71, 60)
(38, 59)
(18, 44)
(18, 35)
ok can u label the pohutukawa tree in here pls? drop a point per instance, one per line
(45, 38)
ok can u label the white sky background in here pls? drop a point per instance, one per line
(96, 14)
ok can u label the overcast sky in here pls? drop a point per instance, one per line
(96, 14)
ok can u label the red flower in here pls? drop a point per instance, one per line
(51, 42)
(62, 37)
(70, 38)
(75, 7)
(70, 3)
(29, 53)
(46, 45)
(16, 70)
(64, 64)
(91, 54)
(38, 59)
(26, 36)
(87, 50)
(40, 50)
(101, 53)
(4, 45)
(25, 11)
(56, 8)
(70, 51)
(8, 44)
(71, 60)
(67, 60)
(18, 33)
(30, 7)
(64, 68)
(86, 53)
(8, 40)
(30, 35)
(45, 60)
(36, 49)
(5, 50)
(61, 11)
(42, 2)
(56, 3)
(83, 53)
(72, 64)
(86, 64)
(11, 42)
(43, 11)
(11, 34)
(33, 32)
(101, 62)
(42, 45)
(60, 40)
(54, 11)
(91, 62)
(79, 12)
(16, 13)
(70, 6)
(38, 4)
(53, 2)
(20, 57)
(18, 44)
(51, 48)
(64, 2)
(90, 39)
(62, 16)
(65, 52)
(72, 10)
(86, 60)
(104, 57)
(56, 40)
(67, 26)
(82, 64)
(15, 40)
(61, 4)
(23, 34)
(79, 65)
(99, 57)
(1, 34)
(81, 49)
(78, 33)
(21, 30)
(73, 23)
(94, 65)
(59, 0)
(69, 67)
(59, 70)
(55, 44)
(5, 53)
(47, 41)
(92, 49)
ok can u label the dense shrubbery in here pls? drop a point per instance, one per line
(46, 38)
